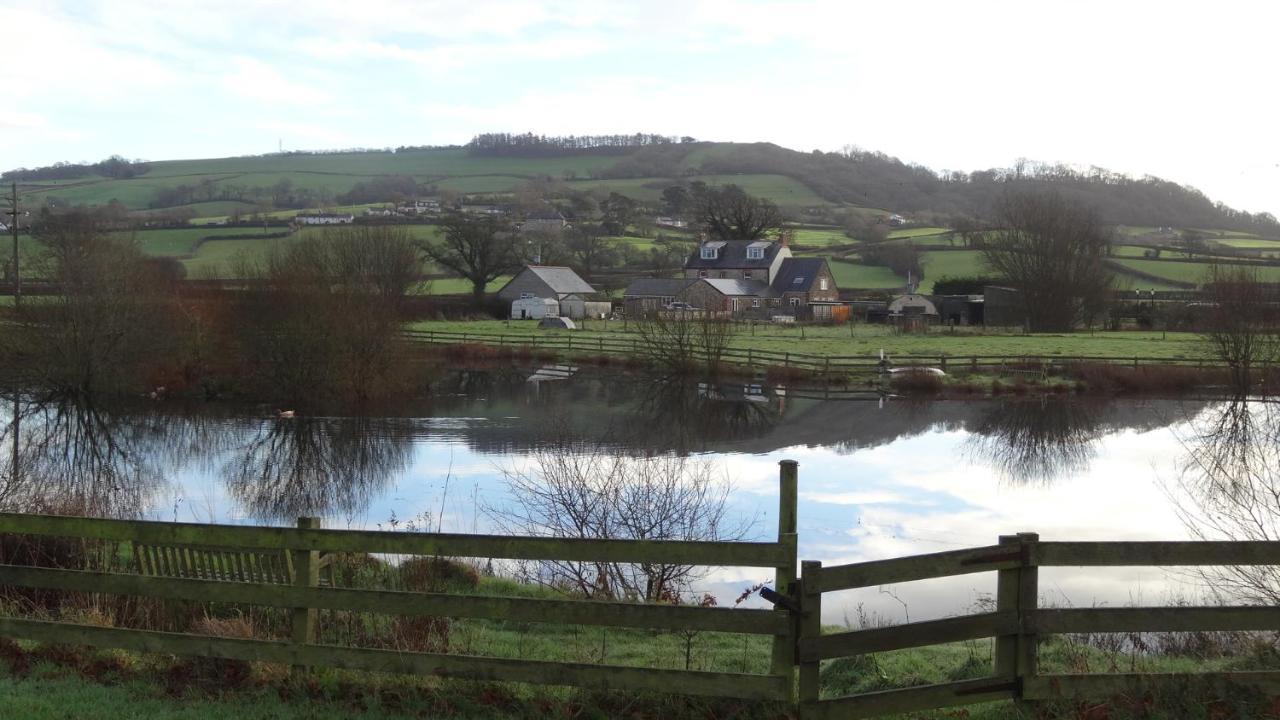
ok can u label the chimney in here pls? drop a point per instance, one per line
(784, 237)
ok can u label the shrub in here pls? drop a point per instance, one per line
(916, 382)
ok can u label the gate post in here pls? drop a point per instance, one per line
(306, 573)
(784, 646)
(810, 627)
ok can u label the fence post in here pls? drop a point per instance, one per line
(1017, 590)
(810, 627)
(784, 646)
(1028, 599)
(306, 573)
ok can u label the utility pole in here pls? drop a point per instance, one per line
(17, 272)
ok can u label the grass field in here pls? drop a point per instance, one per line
(850, 276)
(820, 238)
(1244, 243)
(1188, 272)
(917, 232)
(941, 264)
(858, 339)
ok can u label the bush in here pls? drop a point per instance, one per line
(917, 382)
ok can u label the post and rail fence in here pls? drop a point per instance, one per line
(755, 359)
(281, 567)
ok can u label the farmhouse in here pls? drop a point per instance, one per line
(548, 219)
(572, 294)
(738, 260)
(806, 288)
(324, 218)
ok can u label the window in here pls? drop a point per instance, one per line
(708, 253)
(755, 253)
(526, 296)
(702, 273)
(755, 302)
(795, 301)
(798, 281)
(822, 284)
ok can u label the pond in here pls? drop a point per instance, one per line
(879, 477)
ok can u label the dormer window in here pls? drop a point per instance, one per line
(755, 253)
(708, 253)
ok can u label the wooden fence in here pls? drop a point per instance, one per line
(1017, 623)
(756, 359)
(279, 567)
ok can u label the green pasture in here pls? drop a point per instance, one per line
(920, 232)
(939, 264)
(854, 276)
(817, 238)
(1188, 271)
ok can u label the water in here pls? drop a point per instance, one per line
(878, 479)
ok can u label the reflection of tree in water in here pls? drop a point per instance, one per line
(1036, 440)
(684, 415)
(73, 457)
(317, 466)
(1228, 488)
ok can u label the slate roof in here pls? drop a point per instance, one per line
(733, 256)
(562, 280)
(544, 213)
(806, 269)
(750, 288)
(657, 287)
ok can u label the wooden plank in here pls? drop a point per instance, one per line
(908, 700)
(1081, 687)
(395, 602)
(909, 635)
(1092, 554)
(917, 567)
(1155, 619)
(810, 628)
(739, 685)
(733, 554)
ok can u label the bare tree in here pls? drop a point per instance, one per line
(1241, 322)
(114, 320)
(1052, 250)
(729, 213)
(325, 314)
(570, 492)
(684, 341)
(479, 249)
(590, 248)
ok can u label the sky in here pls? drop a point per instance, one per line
(1182, 90)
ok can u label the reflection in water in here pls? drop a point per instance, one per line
(1038, 440)
(1229, 489)
(682, 415)
(70, 456)
(317, 466)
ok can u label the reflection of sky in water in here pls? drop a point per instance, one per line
(915, 494)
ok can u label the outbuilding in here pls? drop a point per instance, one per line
(534, 308)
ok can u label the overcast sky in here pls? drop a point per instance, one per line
(1187, 91)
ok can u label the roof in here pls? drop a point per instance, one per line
(726, 286)
(657, 287)
(561, 280)
(733, 254)
(805, 269)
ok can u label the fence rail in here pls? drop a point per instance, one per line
(237, 546)
(794, 624)
(1017, 623)
(752, 358)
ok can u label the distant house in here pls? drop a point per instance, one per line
(324, 218)
(737, 260)
(381, 212)
(419, 207)
(670, 222)
(534, 308)
(725, 295)
(649, 294)
(573, 295)
(548, 219)
(896, 219)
